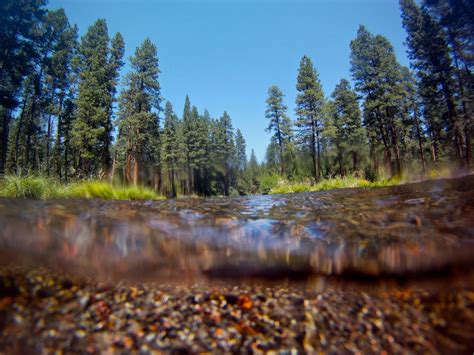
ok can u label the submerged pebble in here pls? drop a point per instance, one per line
(230, 319)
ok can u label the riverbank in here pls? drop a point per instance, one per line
(40, 187)
(43, 311)
(282, 186)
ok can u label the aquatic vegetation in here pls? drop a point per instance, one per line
(39, 187)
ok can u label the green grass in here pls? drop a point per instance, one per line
(284, 187)
(39, 187)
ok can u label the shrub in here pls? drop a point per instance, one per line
(268, 182)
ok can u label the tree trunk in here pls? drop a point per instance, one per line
(465, 109)
(280, 145)
(420, 145)
(313, 150)
(188, 166)
(318, 144)
(387, 151)
(396, 149)
(172, 194)
(454, 121)
(127, 169)
(48, 135)
(354, 161)
(112, 173)
(5, 126)
(17, 136)
(57, 145)
(135, 172)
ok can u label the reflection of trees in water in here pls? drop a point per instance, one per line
(399, 229)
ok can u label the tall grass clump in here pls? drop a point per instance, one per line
(285, 187)
(137, 193)
(28, 186)
(106, 191)
(38, 187)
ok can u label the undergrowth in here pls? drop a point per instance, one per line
(285, 187)
(39, 187)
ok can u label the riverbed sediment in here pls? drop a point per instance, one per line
(46, 311)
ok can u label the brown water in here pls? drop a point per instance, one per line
(411, 231)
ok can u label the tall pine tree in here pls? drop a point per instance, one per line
(279, 123)
(377, 76)
(430, 58)
(310, 109)
(170, 148)
(138, 113)
(349, 135)
(92, 129)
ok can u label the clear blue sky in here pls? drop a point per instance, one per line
(226, 53)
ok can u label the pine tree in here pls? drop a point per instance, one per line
(170, 148)
(224, 153)
(43, 94)
(377, 76)
(253, 169)
(272, 157)
(65, 147)
(138, 113)
(310, 108)
(412, 117)
(19, 21)
(198, 154)
(455, 17)
(92, 128)
(188, 140)
(59, 79)
(349, 135)
(205, 151)
(429, 54)
(279, 123)
(114, 65)
(240, 147)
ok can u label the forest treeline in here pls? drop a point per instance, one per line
(394, 119)
(62, 115)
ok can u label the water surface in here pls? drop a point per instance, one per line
(424, 228)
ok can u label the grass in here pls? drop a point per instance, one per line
(284, 187)
(39, 187)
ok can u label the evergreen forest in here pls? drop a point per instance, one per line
(63, 116)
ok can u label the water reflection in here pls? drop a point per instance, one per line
(422, 227)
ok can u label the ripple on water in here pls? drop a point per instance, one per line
(400, 230)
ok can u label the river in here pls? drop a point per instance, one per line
(349, 270)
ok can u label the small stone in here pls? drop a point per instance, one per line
(128, 342)
(244, 302)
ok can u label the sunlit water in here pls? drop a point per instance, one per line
(425, 228)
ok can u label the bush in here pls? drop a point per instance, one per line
(268, 182)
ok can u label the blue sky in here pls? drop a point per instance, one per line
(226, 53)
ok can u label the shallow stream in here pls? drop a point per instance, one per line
(414, 231)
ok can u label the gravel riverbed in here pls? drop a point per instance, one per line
(43, 311)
